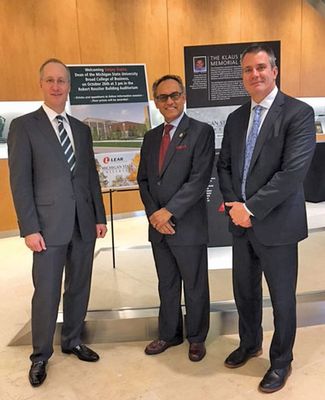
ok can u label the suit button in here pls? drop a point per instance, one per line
(158, 183)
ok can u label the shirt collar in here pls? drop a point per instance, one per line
(52, 114)
(267, 101)
(176, 121)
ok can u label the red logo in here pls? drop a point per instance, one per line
(106, 160)
(221, 207)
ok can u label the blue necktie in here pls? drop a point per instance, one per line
(66, 144)
(250, 144)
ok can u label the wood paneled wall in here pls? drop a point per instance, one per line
(153, 32)
(7, 214)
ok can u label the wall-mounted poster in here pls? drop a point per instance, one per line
(213, 74)
(113, 101)
(215, 90)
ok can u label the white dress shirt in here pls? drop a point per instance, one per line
(52, 117)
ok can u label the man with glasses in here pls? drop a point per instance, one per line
(175, 169)
(60, 212)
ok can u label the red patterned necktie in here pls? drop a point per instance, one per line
(164, 145)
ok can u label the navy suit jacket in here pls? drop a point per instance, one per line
(281, 157)
(46, 195)
(181, 185)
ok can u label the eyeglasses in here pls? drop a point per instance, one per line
(52, 81)
(164, 97)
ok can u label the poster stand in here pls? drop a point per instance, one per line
(110, 192)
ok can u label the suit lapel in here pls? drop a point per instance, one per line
(271, 122)
(45, 127)
(179, 135)
(76, 139)
(156, 139)
(242, 134)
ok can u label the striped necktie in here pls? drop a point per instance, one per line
(250, 144)
(66, 144)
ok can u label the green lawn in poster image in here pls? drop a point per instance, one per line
(135, 144)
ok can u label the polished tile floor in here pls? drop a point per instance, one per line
(124, 371)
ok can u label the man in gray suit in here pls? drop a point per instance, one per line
(267, 147)
(174, 171)
(60, 211)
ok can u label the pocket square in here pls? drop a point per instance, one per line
(182, 147)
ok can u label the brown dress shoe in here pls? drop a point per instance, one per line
(240, 357)
(196, 351)
(158, 346)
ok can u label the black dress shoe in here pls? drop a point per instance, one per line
(240, 357)
(196, 351)
(275, 379)
(158, 346)
(37, 373)
(83, 352)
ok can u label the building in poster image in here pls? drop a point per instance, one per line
(105, 129)
(113, 101)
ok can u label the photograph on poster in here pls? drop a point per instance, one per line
(115, 125)
(199, 64)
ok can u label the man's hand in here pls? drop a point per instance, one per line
(247, 224)
(167, 229)
(238, 213)
(160, 220)
(101, 230)
(35, 242)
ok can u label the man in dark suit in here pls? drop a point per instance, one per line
(267, 146)
(173, 178)
(60, 212)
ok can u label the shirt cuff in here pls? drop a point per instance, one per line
(249, 212)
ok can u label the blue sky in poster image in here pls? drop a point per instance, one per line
(133, 112)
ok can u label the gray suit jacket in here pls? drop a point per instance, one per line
(281, 157)
(181, 185)
(46, 195)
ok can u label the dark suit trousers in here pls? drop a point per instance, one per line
(175, 264)
(48, 267)
(279, 265)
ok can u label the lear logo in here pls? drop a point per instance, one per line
(107, 159)
(115, 159)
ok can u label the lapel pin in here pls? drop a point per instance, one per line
(181, 135)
